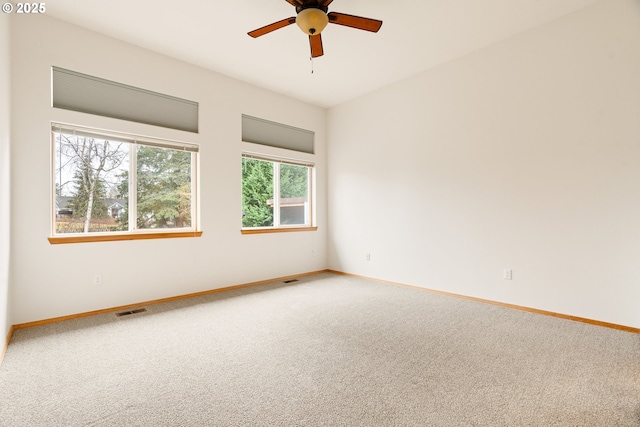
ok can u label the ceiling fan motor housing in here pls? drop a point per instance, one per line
(312, 20)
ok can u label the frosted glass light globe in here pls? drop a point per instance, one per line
(312, 21)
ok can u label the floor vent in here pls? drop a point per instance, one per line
(290, 281)
(136, 311)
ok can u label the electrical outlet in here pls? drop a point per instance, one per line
(367, 256)
(507, 274)
(313, 252)
(97, 279)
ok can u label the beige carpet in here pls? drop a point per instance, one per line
(327, 350)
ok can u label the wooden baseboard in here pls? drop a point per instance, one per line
(3, 350)
(157, 301)
(501, 304)
(262, 282)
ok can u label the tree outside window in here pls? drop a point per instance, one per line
(93, 191)
(275, 194)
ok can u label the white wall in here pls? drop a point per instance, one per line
(5, 134)
(525, 155)
(55, 280)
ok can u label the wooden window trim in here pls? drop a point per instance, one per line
(55, 240)
(276, 230)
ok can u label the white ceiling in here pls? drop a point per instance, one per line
(416, 35)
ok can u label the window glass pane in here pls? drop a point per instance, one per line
(164, 188)
(91, 183)
(294, 194)
(257, 193)
(97, 176)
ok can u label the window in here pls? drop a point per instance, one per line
(117, 186)
(276, 195)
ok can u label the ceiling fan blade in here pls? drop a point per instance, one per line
(358, 22)
(316, 45)
(294, 2)
(272, 27)
(324, 3)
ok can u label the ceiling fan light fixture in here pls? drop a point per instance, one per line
(312, 21)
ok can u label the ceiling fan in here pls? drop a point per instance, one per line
(312, 18)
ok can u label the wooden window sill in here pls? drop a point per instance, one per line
(124, 236)
(276, 230)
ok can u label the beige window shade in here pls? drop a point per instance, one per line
(265, 132)
(93, 95)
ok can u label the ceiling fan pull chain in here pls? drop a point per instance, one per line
(311, 59)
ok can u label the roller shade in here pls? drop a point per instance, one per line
(265, 132)
(87, 94)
